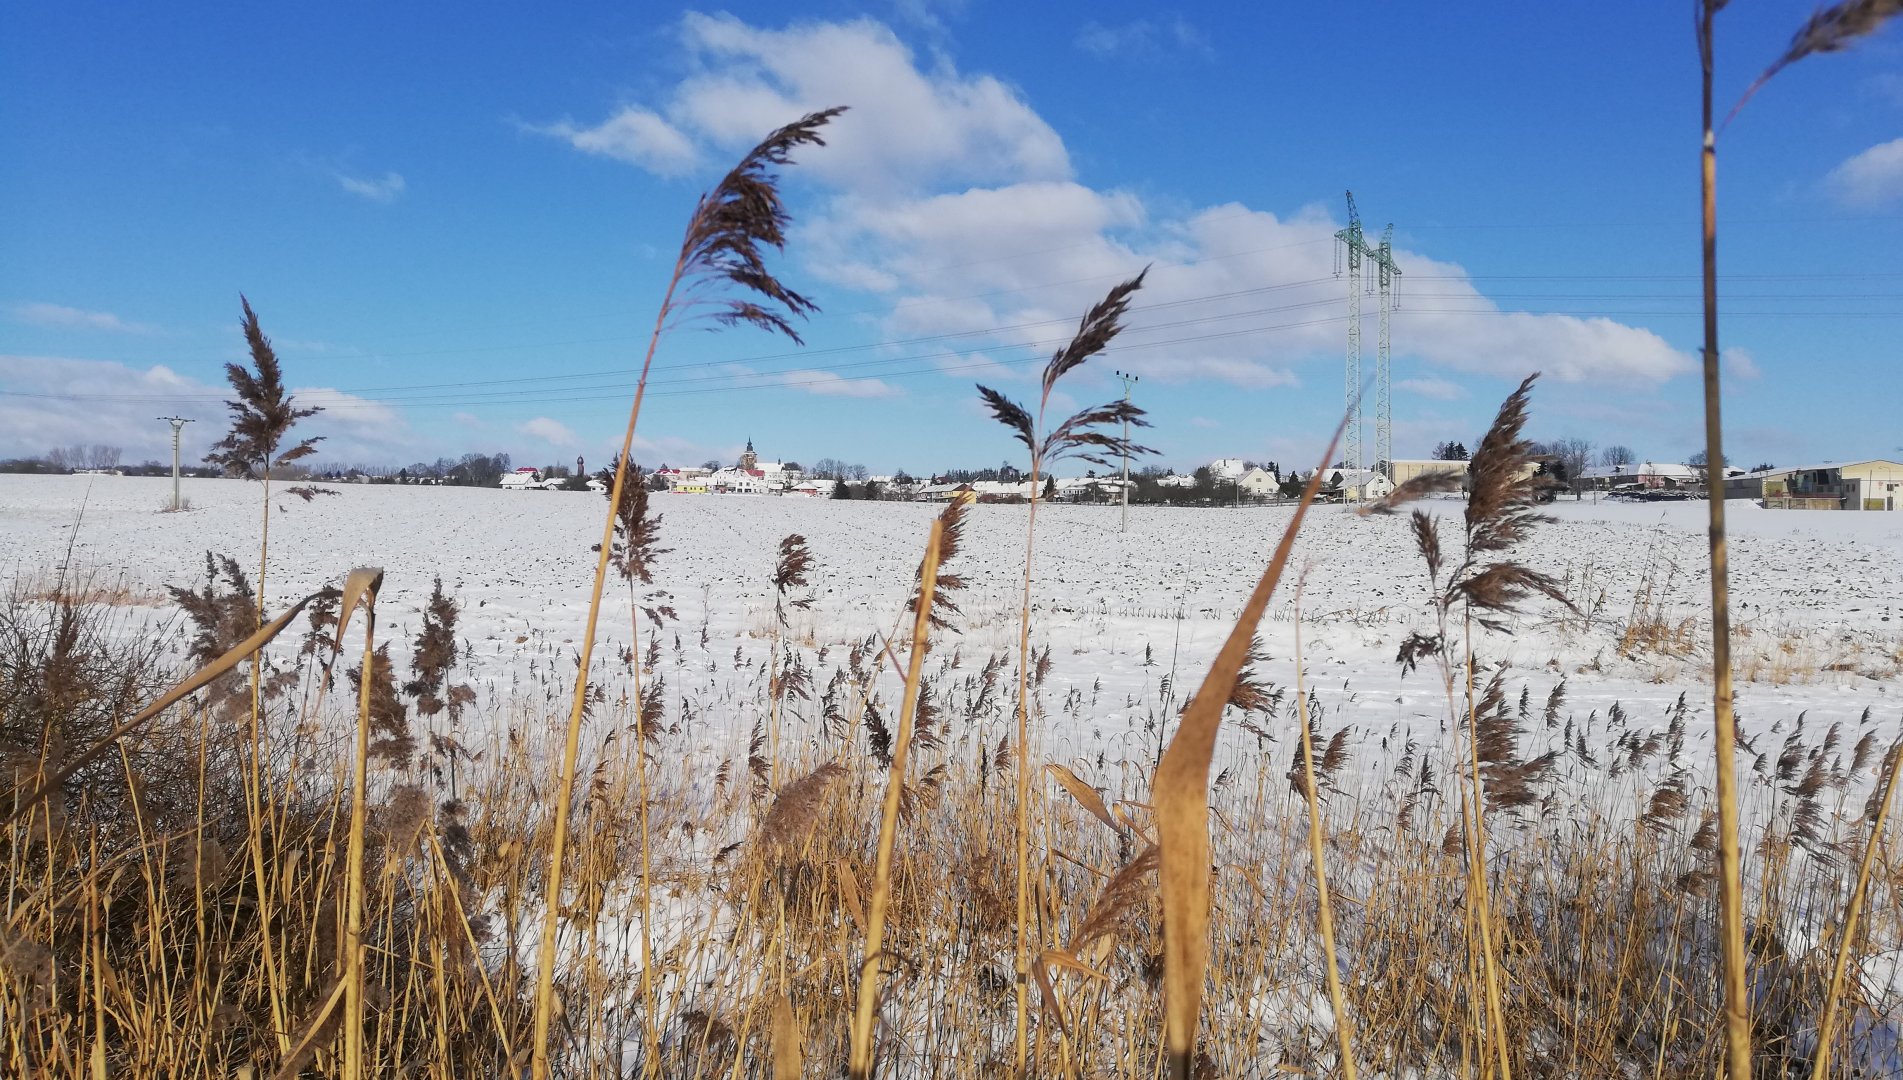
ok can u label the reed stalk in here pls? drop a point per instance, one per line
(1724, 720)
(1325, 912)
(860, 1064)
(721, 245)
(361, 587)
(1827, 1024)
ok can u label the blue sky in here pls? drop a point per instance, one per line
(456, 228)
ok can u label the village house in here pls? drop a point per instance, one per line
(1259, 483)
(523, 479)
(736, 482)
(1654, 476)
(984, 491)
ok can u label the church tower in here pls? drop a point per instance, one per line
(748, 459)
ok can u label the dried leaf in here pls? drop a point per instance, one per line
(1182, 804)
(786, 1040)
(1086, 796)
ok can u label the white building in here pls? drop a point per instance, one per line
(1259, 483)
(736, 482)
(520, 480)
(1228, 468)
(1078, 488)
(1647, 474)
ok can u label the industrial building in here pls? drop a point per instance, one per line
(1876, 484)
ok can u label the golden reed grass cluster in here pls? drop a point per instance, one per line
(211, 880)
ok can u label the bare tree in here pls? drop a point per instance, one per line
(1617, 455)
(1573, 454)
(96, 456)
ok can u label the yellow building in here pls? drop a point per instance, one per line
(1876, 484)
(1408, 470)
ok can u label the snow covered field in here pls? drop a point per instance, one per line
(1818, 607)
(1818, 596)
(1818, 601)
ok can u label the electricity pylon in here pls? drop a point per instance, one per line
(178, 425)
(1386, 272)
(1382, 257)
(1351, 239)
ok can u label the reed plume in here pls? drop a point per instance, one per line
(1484, 587)
(262, 414)
(1830, 29)
(1086, 435)
(720, 273)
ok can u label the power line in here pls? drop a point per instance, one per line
(763, 380)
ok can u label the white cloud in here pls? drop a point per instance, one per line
(807, 380)
(1437, 389)
(549, 430)
(633, 135)
(1204, 422)
(54, 401)
(922, 13)
(348, 410)
(58, 400)
(468, 420)
(908, 126)
(670, 448)
(1143, 37)
(945, 194)
(356, 430)
(827, 384)
(1739, 363)
(1234, 294)
(40, 313)
(1870, 178)
(381, 189)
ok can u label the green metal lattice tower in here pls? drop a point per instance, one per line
(1385, 273)
(1382, 257)
(1357, 247)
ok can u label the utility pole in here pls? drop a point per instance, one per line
(178, 426)
(1123, 523)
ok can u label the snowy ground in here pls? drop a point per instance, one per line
(1818, 601)
(1819, 596)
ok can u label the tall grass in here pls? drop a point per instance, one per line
(1086, 435)
(131, 909)
(722, 249)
